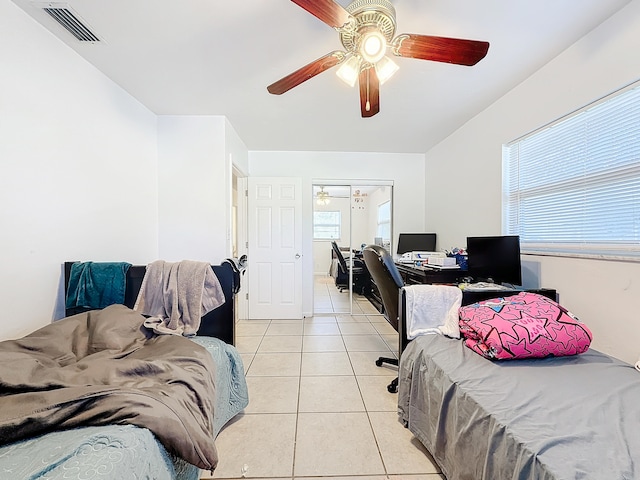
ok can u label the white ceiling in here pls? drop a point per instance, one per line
(216, 57)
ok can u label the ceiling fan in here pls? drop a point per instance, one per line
(367, 29)
(322, 197)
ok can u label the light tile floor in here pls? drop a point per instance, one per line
(318, 405)
(327, 299)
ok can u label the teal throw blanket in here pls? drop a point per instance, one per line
(96, 284)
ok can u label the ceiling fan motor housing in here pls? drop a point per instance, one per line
(369, 15)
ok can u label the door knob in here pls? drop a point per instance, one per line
(298, 256)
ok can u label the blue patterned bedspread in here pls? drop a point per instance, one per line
(124, 451)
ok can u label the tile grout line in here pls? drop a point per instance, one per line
(295, 434)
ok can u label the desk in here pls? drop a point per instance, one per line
(418, 275)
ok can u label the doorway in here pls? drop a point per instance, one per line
(352, 215)
(239, 245)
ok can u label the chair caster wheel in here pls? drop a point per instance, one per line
(378, 363)
(393, 386)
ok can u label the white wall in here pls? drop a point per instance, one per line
(405, 170)
(360, 227)
(196, 155)
(78, 171)
(603, 294)
(194, 188)
(235, 149)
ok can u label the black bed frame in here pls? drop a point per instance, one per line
(219, 323)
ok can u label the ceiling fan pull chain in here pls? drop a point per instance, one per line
(368, 104)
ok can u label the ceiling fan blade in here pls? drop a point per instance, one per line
(440, 49)
(369, 92)
(305, 73)
(328, 11)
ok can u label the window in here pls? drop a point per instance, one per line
(326, 225)
(573, 187)
(383, 229)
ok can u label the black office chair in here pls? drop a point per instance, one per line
(361, 279)
(387, 278)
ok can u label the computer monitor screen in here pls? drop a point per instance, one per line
(495, 259)
(416, 242)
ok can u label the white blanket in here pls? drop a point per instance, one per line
(432, 309)
(177, 295)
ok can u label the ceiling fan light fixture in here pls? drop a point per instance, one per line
(373, 46)
(322, 197)
(385, 69)
(349, 70)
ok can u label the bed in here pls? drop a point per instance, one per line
(152, 404)
(556, 418)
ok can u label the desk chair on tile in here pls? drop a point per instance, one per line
(361, 278)
(385, 275)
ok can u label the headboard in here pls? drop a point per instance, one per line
(219, 323)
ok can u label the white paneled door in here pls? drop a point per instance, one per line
(275, 248)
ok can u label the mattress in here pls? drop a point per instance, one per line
(563, 418)
(231, 387)
(124, 451)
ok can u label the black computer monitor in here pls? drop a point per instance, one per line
(495, 259)
(416, 242)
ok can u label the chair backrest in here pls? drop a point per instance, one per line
(339, 256)
(386, 277)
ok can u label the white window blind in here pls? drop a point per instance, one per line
(326, 225)
(383, 229)
(573, 187)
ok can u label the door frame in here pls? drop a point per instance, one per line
(241, 235)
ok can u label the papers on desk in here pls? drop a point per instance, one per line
(405, 261)
(485, 286)
(442, 267)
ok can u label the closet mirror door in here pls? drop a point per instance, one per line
(347, 218)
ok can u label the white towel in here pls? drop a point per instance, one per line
(432, 309)
(177, 295)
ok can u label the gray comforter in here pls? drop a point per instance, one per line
(564, 418)
(103, 367)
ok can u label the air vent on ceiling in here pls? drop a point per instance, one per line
(62, 14)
